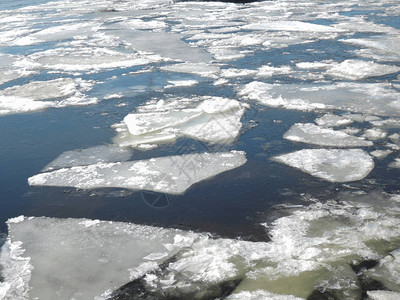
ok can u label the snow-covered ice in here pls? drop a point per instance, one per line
(170, 174)
(336, 165)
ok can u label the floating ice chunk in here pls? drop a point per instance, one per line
(168, 45)
(36, 95)
(181, 83)
(374, 134)
(58, 33)
(380, 154)
(356, 97)
(215, 120)
(335, 165)
(358, 69)
(86, 59)
(202, 69)
(382, 295)
(267, 71)
(381, 47)
(331, 120)
(260, 295)
(171, 174)
(396, 162)
(290, 26)
(313, 134)
(89, 156)
(232, 73)
(83, 261)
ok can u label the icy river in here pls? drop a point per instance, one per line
(199, 150)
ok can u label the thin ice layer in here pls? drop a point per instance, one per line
(313, 134)
(89, 156)
(39, 95)
(379, 98)
(80, 258)
(214, 120)
(335, 165)
(170, 174)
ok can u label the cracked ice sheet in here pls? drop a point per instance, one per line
(378, 98)
(214, 120)
(39, 95)
(313, 134)
(335, 165)
(170, 174)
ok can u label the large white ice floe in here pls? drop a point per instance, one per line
(379, 98)
(313, 134)
(213, 120)
(311, 247)
(336, 165)
(38, 95)
(170, 174)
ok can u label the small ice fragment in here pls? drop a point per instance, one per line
(335, 165)
(331, 120)
(374, 134)
(380, 154)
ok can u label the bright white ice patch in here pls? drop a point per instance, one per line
(335, 165)
(313, 134)
(38, 95)
(171, 174)
(214, 120)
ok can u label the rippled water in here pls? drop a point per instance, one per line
(231, 151)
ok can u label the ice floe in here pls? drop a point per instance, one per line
(311, 248)
(214, 120)
(379, 98)
(313, 134)
(331, 120)
(336, 165)
(86, 59)
(39, 95)
(358, 69)
(170, 174)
